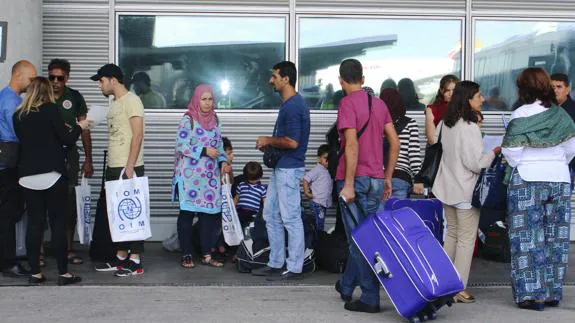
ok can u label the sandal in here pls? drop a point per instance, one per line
(187, 262)
(209, 261)
(75, 260)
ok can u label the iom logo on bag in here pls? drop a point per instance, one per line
(130, 207)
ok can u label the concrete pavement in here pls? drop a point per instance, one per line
(290, 304)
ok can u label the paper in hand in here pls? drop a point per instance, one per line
(97, 114)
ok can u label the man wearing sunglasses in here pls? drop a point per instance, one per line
(73, 108)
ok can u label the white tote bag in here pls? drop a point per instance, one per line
(128, 203)
(83, 210)
(231, 226)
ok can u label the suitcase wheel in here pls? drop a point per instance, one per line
(414, 319)
(421, 317)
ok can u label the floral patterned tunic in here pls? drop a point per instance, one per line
(196, 183)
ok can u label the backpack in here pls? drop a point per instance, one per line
(333, 140)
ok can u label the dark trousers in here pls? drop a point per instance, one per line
(11, 209)
(210, 226)
(73, 170)
(52, 201)
(136, 247)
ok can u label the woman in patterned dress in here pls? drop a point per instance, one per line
(200, 160)
(539, 143)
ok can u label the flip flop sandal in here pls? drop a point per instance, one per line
(209, 261)
(187, 262)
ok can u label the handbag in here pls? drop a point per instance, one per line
(431, 162)
(272, 155)
(9, 154)
(231, 226)
(490, 192)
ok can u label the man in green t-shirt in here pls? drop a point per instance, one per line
(73, 109)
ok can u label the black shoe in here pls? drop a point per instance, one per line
(266, 271)
(63, 280)
(113, 265)
(35, 280)
(287, 276)
(359, 306)
(16, 271)
(554, 303)
(130, 269)
(346, 298)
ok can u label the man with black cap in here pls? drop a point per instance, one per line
(125, 150)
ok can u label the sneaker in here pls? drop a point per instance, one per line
(113, 265)
(130, 269)
(266, 271)
(286, 276)
(359, 306)
(63, 280)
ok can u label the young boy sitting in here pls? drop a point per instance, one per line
(250, 194)
(321, 184)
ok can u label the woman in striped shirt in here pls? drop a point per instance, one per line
(409, 160)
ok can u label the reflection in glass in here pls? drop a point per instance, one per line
(165, 57)
(416, 52)
(504, 48)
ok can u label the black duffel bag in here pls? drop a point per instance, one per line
(331, 251)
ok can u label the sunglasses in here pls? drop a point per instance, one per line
(60, 78)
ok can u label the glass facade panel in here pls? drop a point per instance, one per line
(411, 53)
(504, 48)
(165, 57)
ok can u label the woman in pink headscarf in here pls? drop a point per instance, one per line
(200, 160)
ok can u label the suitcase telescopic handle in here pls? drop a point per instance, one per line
(380, 267)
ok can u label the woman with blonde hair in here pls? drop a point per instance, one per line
(42, 134)
(539, 143)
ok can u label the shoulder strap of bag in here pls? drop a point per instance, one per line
(362, 130)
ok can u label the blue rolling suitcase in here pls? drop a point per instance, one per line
(409, 263)
(429, 210)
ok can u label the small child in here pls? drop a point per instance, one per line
(250, 194)
(321, 187)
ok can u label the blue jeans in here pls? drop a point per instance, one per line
(318, 212)
(283, 210)
(369, 192)
(400, 188)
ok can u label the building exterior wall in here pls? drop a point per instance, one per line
(24, 40)
(85, 32)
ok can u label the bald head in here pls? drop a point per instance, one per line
(22, 74)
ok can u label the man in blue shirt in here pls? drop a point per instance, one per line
(283, 205)
(11, 202)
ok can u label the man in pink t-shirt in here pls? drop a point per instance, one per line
(360, 172)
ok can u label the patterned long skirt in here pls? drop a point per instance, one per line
(539, 216)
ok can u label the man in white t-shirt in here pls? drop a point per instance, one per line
(125, 151)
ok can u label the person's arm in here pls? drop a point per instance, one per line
(429, 126)
(392, 157)
(236, 199)
(306, 189)
(137, 126)
(87, 167)
(472, 155)
(351, 156)
(183, 140)
(289, 140)
(67, 135)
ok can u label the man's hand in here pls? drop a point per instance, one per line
(348, 193)
(262, 142)
(212, 152)
(88, 168)
(387, 188)
(418, 188)
(129, 172)
(309, 195)
(497, 150)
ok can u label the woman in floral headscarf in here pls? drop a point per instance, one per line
(196, 184)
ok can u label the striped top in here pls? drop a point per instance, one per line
(409, 160)
(251, 195)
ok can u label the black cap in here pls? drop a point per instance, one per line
(109, 70)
